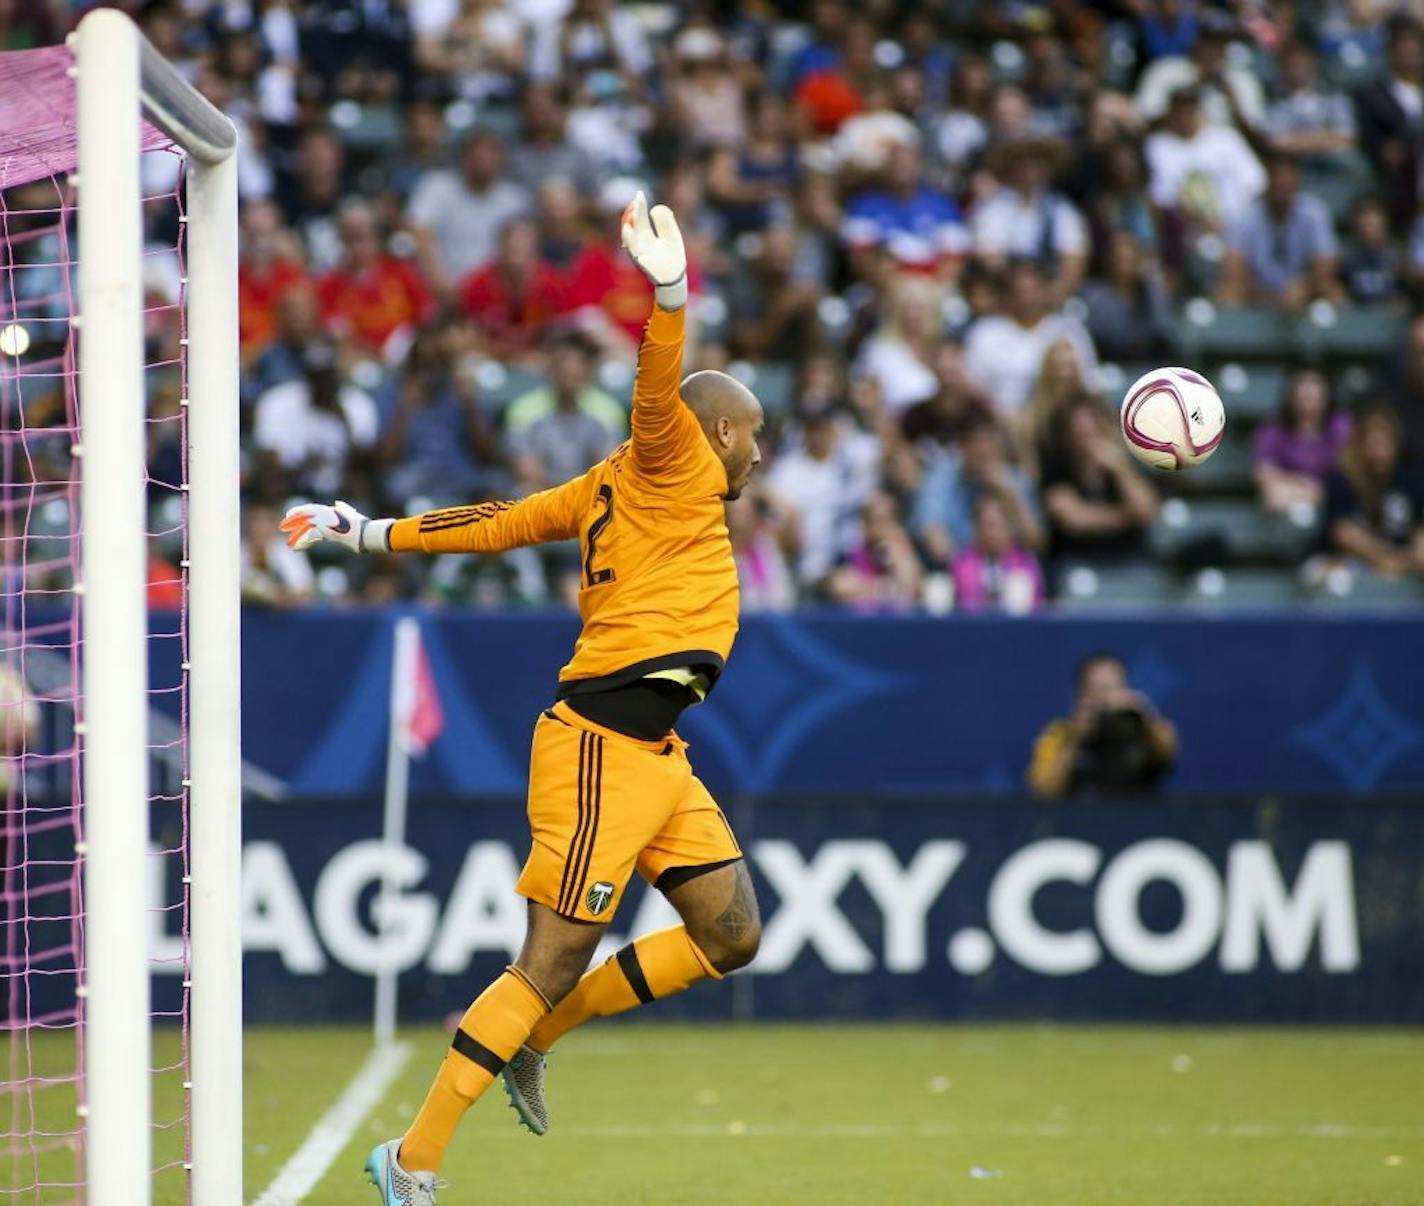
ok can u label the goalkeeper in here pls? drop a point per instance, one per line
(610, 787)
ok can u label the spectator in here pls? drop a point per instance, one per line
(766, 581)
(824, 482)
(1167, 29)
(955, 481)
(1098, 504)
(1373, 269)
(1390, 112)
(372, 301)
(515, 297)
(479, 50)
(557, 432)
(773, 302)
(561, 226)
(1307, 120)
(1129, 316)
(963, 131)
(456, 216)
(1402, 388)
(1298, 449)
(706, 100)
(1119, 199)
(313, 427)
(881, 571)
(1206, 174)
(269, 266)
(437, 443)
(1374, 503)
(273, 573)
(1027, 220)
(283, 359)
(919, 226)
(595, 44)
(1003, 352)
(355, 52)
(20, 731)
(821, 51)
(421, 150)
(899, 355)
(1231, 95)
(826, 97)
(1060, 383)
(544, 151)
(995, 572)
(311, 195)
(1282, 252)
(957, 405)
(1114, 743)
(752, 186)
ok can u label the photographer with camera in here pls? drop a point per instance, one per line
(1114, 743)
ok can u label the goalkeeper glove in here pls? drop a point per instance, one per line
(655, 245)
(341, 524)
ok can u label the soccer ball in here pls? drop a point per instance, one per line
(1172, 418)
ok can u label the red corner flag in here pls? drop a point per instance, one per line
(424, 718)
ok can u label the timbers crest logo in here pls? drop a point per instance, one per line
(599, 896)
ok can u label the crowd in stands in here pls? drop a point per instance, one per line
(931, 236)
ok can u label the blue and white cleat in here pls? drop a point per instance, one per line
(524, 1082)
(398, 1187)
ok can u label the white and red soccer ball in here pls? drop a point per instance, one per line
(1172, 418)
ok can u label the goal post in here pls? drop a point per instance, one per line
(120, 78)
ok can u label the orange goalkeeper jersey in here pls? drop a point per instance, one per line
(658, 585)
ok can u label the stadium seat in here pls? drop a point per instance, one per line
(1358, 589)
(1209, 532)
(1250, 392)
(1355, 331)
(366, 127)
(1102, 587)
(773, 382)
(500, 385)
(1243, 588)
(1204, 331)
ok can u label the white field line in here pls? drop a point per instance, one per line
(1045, 1130)
(333, 1131)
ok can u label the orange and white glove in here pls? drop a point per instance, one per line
(343, 524)
(653, 242)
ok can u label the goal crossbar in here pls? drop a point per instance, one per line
(122, 78)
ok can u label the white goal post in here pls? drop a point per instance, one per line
(120, 78)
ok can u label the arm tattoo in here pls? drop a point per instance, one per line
(741, 915)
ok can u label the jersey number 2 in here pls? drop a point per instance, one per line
(597, 577)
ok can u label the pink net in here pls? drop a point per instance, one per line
(41, 851)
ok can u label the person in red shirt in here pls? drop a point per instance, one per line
(270, 266)
(373, 300)
(515, 297)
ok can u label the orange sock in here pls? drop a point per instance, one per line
(658, 965)
(492, 1030)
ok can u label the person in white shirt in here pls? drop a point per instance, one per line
(899, 355)
(312, 425)
(456, 216)
(1231, 95)
(1208, 174)
(823, 483)
(1026, 219)
(1003, 352)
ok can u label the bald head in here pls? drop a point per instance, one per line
(731, 418)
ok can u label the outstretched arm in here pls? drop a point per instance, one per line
(491, 527)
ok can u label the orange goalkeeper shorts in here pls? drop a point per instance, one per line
(601, 804)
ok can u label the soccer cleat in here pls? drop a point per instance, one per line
(524, 1082)
(398, 1187)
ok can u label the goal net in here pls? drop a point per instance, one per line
(96, 880)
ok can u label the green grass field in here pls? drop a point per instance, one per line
(890, 1114)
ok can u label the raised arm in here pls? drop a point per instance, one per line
(490, 527)
(663, 426)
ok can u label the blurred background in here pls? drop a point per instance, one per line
(987, 661)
